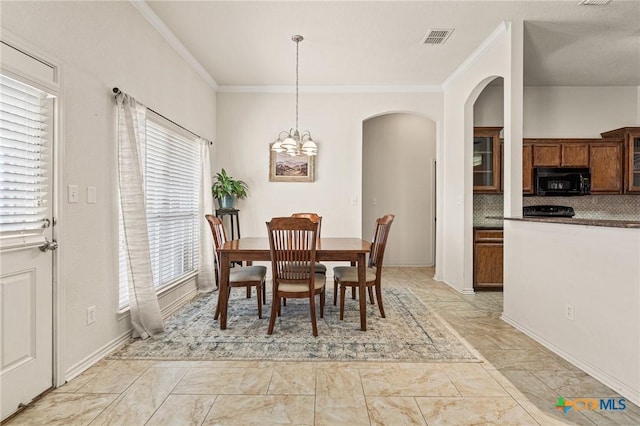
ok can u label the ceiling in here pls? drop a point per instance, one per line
(379, 43)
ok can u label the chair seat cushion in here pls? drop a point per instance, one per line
(247, 273)
(301, 286)
(350, 274)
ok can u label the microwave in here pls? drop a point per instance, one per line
(562, 181)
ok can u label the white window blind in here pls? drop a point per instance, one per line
(23, 157)
(171, 178)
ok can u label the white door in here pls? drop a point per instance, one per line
(26, 256)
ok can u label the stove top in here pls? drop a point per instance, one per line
(548, 211)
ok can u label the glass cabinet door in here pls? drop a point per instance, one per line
(634, 162)
(486, 159)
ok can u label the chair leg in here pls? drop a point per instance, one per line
(370, 294)
(312, 308)
(342, 291)
(217, 313)
(264, 292)
(353, 293)
(248, 292)
(335, 291)
(259, 296)
(275, 309)
(322, 300)
(379, 299)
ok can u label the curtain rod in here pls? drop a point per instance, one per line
(117, 91)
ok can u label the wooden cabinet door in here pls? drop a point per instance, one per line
(575, 155)
(606, 167)
(527, 170)
(488, 265)
(547, 155)
(486, 159)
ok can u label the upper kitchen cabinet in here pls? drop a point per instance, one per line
(486, 159)
(631, 167)
(559, 153)
(606, 167)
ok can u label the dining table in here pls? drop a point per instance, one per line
(251, 249)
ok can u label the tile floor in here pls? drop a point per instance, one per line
(518, 383)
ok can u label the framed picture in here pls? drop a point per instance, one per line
(285, 168)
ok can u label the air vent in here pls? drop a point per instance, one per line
(593, 2)
(437, 36)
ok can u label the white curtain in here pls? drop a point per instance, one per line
(206, 268)
(146, 319)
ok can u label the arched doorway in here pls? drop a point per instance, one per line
(398, 176)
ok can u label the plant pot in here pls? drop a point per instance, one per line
(226, 202)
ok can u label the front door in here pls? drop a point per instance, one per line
(26, 243)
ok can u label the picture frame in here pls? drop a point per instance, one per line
(285, 168)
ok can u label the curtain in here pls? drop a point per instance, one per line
(206, 268)
(146, 318)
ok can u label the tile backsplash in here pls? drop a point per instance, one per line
(611, 207)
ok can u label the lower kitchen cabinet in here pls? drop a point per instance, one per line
(487, 259)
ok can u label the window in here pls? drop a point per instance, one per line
(24, 177)
(171, 179)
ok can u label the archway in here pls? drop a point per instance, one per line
(398, 176)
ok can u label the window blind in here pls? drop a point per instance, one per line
(23, 157)
(171, 178)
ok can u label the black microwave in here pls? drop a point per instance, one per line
(562, 181)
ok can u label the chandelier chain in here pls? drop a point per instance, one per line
(297, 62)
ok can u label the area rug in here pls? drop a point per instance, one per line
(411, 332)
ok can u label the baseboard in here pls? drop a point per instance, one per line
(597, 373)
(170, 301)
(96, 356)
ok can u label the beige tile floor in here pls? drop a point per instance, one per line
(517, 384)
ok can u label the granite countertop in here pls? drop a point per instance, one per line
(489, 222)
(577, 221)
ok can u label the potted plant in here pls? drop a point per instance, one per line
(226, 189)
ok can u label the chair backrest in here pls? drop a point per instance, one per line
(313, 217)
(379, 241)
(292, 241)
(219, 235)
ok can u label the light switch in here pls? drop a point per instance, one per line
(72, 193)
(91, 194)
(374, 201)
(354, 201)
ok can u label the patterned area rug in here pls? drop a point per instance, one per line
(411, 333)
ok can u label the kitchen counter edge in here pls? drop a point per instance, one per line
(585, 222)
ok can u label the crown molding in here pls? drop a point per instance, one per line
(331, 89)
(486, 45)
(173, 41)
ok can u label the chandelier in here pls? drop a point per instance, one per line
(293, 142)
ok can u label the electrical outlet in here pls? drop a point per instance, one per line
(569, 312)
(91, 315)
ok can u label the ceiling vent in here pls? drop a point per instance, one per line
(593, 2)
(437, 36)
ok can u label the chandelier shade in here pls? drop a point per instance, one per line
(293, 142)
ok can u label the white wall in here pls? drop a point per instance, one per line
(398, 173)
(594, 269)
(101, 45)
(496, 57)
(565, 112)
(249, 122)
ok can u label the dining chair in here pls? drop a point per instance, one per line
(292, 242)
(347, 276)
(314, 217)
(239, 276)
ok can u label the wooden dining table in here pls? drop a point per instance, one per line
(327, 249)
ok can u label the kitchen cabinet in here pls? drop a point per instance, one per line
(631, 156)
(486, 159)
(527, 168)
(487, 259)
(560, 153)
(606, 167)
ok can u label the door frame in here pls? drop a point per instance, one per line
(54, 87)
